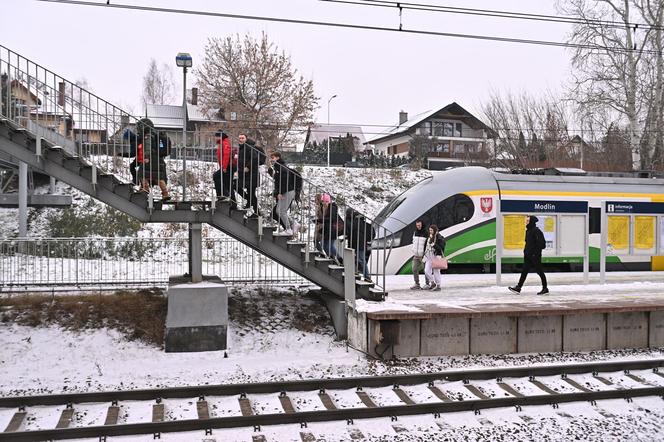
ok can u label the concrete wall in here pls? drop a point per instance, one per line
(501, 333)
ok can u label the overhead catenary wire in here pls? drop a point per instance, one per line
(495, 13)
(351, 26)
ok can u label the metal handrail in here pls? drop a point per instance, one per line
(117, 143)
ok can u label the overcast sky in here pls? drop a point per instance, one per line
(375, 74)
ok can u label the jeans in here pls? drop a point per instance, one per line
(417, 265)
(431, 273)
(281, 209)
(330, 248)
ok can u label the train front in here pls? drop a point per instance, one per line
(455, 200)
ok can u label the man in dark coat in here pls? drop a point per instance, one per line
(250, 157)
(532, 255)
(359, 234)
(150, 148)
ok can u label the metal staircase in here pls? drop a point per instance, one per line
(87, 153)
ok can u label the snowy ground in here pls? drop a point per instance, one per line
(466, 291)
(274, 339)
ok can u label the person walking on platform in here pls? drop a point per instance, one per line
(435, 247)
(223, 178)
(532, 256)
(419, 244)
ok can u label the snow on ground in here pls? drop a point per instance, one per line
(272, 341)
(466, 291)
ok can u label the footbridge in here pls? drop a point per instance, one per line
(59, 129)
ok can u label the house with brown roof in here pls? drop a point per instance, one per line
(450, 136)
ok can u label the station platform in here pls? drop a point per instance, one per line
(472, 315)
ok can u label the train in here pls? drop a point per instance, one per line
(462, 202)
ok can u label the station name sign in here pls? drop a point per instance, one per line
(537, 206)
(633, 207)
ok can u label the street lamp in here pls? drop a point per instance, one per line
(328, 129)
(183, 60)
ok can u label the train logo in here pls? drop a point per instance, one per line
(486, 204)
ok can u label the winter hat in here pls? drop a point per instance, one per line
(326, 198)
(533, 219)
(144, 125)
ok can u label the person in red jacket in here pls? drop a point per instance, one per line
(223, 178)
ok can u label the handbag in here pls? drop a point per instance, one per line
(439, 262)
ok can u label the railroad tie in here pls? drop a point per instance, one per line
(65, 417)
(476, 391)
(638, 379)
(112, 415)
(258, 438)
(16, 421)
(245, 407)
(403, 396)
(576, 385)
(603, 380)
(158, 412)
(366, 400)
(202, 409)
(286, 404)
(439, 394)
(511, 390)
(327, 401)
(543, 387)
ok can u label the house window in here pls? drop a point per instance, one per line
(457, 132)
(437, 128)
(448, 129)
(442, 147)
(425, 128)
(233, 116)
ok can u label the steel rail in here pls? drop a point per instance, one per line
(325, 415)
(326, 384)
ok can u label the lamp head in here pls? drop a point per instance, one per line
(183, 60)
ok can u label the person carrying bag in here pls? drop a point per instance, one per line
(434, 259)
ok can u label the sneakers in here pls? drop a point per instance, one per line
(515, 289)
(416, 287)
(435, 288)
(544, 291)
(427, 287)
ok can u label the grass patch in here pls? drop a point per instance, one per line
(138, 315)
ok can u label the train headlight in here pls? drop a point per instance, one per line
(387, 242)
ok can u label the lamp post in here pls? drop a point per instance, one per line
(328, 129)
(183, 60)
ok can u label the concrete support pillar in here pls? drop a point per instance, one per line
(195, 252)
(51, 188)
(22, 199)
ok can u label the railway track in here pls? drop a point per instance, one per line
(208, 407)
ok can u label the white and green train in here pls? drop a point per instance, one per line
(462, 202)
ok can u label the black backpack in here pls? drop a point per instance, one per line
(540, 241)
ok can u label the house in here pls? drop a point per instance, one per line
(446, 137)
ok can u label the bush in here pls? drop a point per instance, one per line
(92, 219)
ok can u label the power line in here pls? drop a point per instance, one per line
(493, 13)
(349, 26)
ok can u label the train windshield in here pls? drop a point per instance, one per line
(396, 202)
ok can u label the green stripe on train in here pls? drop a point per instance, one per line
(486, 255)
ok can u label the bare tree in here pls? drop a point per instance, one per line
(158, 84)
(528, 130)
(610, 65)
(251, 80)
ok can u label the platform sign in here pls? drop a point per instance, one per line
(631, 228)
(563, 223)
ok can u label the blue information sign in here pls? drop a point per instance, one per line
(537, 206)
(634, 207)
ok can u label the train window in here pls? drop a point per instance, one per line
(451, 211)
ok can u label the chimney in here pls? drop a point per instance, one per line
(403, 117)
(194, 96)
(61, 93)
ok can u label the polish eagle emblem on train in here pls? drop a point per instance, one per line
(486, 204)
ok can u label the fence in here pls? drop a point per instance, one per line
(63, 263)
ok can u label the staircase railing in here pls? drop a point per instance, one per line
(117, 143)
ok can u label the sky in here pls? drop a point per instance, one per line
(375, 74)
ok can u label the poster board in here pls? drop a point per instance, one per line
(514, 232)
(572, 234)
(547, 224)
(644, 234)
(618, 234)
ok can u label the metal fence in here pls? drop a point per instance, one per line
(66, 263)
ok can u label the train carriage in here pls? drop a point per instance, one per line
(462, 202)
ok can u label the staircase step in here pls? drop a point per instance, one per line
(107, 181)
(124, 189)
(86, 172)
(72, 164)
(139, 198)
(335, 267)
